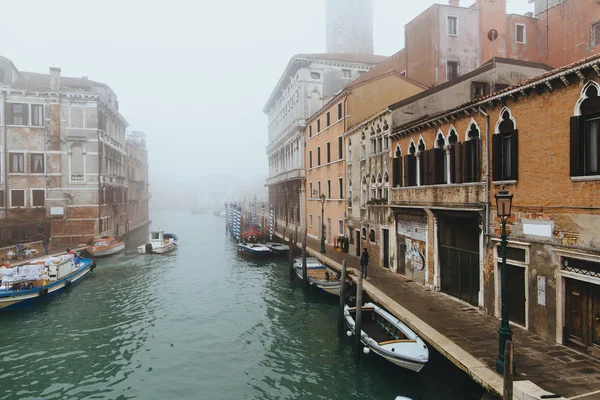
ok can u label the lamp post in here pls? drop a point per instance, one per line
(322, 224)
(503, 209)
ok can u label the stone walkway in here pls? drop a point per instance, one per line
(553, 367)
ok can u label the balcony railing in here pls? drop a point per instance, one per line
(466, 195)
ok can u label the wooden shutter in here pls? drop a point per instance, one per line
(423, 167)
(497, 157)
(514, 155)
(467, 159)
(432, 166)
(397, 172)
(477, 173)
(406, 171)
(458, 152)
(451, 166)
(577, 140)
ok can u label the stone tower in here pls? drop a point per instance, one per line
(350, 26)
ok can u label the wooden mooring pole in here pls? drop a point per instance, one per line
(358, 321)
(508, 371)
(341, 323)
(304, 267)
(291, 260)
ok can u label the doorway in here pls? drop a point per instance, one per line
(583, 315)
(386, 248)
(459, 256)
(357, 243)
(515, 292)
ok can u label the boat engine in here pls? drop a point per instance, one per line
(149, 248)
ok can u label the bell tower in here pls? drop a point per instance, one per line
(350, 26)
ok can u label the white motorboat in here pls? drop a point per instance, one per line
(159, 243)
(388, 337)
(253, 249)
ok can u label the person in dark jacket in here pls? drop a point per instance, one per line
(45, 242)
(364, 262)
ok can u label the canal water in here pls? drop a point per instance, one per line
(200, 323)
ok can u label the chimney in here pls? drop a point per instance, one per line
(55, 79)
(454, 3)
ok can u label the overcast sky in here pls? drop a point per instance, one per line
(192, 74)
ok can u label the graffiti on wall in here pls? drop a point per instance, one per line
(415, 254)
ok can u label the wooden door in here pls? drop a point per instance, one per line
(357, 243)
(576, 299)
(515, 278)
(595, 316)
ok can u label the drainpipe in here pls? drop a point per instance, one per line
(487, 175)
(5, 160)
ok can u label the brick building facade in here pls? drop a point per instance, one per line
(63, 155)
(540, 139)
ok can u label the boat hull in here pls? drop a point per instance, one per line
(330, 287)
(382, 350)
(157, 250)
(10, 300)
(278, 249)
(247, 251)
(104, 252)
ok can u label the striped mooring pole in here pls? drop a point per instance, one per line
(271, 220)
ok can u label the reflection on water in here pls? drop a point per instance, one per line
(201, 322)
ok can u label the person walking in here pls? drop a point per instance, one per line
(45, 242)
(364, 262)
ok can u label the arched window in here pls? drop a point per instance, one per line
(505, 147)
(441, 160)
(410, 165)
(423, 163)
(585, 133)
(379, 187)
(472, 154)
(364, 233)
(77, 165)
(397, 167)
(373, 188)
(363, 193)
(372, 236)
(386, 185)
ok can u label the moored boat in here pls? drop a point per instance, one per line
(388, 337)
(159, 243)
(253, 249)
(319, 275)
(106, 246)
(26, 285)
(278, 249)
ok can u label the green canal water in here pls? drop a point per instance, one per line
(200, 323)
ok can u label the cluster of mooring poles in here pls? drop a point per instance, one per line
(234, 219)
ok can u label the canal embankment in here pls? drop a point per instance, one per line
(468, 337)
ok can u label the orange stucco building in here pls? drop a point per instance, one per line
(325, 150)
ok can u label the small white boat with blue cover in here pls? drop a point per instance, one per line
(39, 280)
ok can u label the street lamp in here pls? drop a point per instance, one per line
(322, 224)
(503, 208)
